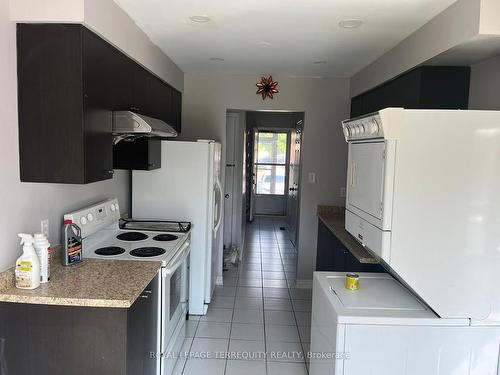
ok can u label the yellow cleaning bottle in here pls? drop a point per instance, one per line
(27, 265)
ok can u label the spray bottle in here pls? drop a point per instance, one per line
(27, 265)
(42, 248)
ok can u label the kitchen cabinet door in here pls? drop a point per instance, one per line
(50, 99)
(122, 83)
(333, 256)
(445, 87)
(140, 154)
(162, 101)
(98, 115)
(330, 252)
(142, 92)
(403, 91)
(143, 331)
(176, 111)
(357, 106)
(425, 87)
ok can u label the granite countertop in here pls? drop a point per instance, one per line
(334, 218)
(92, 283)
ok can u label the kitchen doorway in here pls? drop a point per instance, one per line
(262, 171)
(268, 194)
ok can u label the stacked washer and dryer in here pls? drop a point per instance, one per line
(423, 196)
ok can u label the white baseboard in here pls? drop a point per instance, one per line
(219, 280)
(304, 284)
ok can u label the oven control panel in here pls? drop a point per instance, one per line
(363, 128)
(96, 217)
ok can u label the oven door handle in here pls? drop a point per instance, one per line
(178, 260)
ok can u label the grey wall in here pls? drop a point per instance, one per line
(325, 103)
(484, 90)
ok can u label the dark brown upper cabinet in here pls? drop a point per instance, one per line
(425, 87)
(140, 154)
(69, 82)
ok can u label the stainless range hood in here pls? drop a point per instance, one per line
(129, 125)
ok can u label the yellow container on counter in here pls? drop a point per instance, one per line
(352, 281)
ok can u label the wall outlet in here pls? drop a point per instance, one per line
(44, 227)
(311, 177)
(342, 192)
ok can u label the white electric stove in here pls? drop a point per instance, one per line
(124, 244)
(107, 237)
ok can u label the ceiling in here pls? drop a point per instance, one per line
(296, 33)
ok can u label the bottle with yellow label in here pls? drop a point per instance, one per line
(27, 265)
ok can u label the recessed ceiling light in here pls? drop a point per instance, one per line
(350, 23)
(201, 18)
(263, 44)
(320, 62)
(219, 59)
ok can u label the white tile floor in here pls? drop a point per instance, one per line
(258, 322)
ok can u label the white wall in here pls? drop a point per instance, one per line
(325, 103)
(24, 205)
(484, 90)
(107, 19)
(48, 10)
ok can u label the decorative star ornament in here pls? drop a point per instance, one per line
(267, 87)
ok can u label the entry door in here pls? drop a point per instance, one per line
(365, 175)
(270, 171)
(253, 176)
(293, 189)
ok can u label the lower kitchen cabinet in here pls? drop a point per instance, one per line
(62, 340)
(332, 255)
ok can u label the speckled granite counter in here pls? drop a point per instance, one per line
(92, 283)
(334, 218)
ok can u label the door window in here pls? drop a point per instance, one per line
(270, 162)
(175, 290)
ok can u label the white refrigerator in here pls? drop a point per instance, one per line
(188, 187)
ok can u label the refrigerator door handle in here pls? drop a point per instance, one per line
(219, 220)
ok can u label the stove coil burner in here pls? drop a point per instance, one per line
(145, 252)
(132, 236)
(110, 250)
(165, 237)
